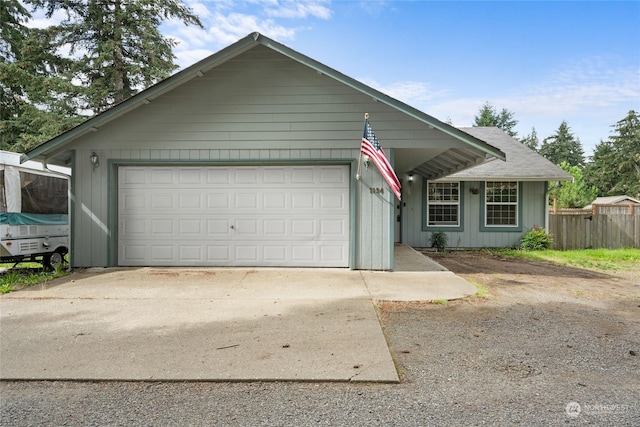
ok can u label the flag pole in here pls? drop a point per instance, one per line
(366, 117)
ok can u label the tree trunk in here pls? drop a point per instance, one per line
(118, 61)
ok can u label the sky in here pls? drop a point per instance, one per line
(545, 61)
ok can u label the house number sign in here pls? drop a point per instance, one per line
(376, 190)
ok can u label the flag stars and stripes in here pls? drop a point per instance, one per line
(371, 147)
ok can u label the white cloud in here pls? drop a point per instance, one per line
(227, 29)
(228, 21)
(376, 8)
(409, 92)
(299, 9)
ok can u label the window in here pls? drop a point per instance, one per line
(443, 204)
(42, 194)
(501, 203)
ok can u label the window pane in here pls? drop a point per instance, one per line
(501, 203)
(501, 214)
(443, 215)
(443, 191)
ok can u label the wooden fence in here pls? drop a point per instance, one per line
(603, 226)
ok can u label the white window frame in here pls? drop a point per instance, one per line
(510, 201)
(443, 201)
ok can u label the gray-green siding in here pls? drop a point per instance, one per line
(532, 212)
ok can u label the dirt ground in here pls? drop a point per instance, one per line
(510, 279)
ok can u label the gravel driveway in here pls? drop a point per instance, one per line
(550, 346)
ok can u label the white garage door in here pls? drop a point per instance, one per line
(295, 216)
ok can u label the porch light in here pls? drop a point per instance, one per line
(365, 162)
(95, 161)
(410, 179)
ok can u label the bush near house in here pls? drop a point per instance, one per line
(536, 239)
(438, 240)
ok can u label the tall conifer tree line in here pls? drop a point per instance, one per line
(614, 168)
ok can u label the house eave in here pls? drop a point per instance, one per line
(504, 178)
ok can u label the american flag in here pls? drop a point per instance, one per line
(371, 147)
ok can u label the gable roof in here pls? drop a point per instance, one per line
(53, 150)
(613, 200)
(522, 164)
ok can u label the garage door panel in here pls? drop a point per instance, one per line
(161, 253)
(246, 253)
(162, 227)
(135, 226)
(331, 175)
(275, 253)
(218, 200)
(161, 201)
(332, 201)
(303, 253)
(275, 227)
(219, 254)
(234, 216)
(303, 175)
(302, 201)
(218, 227)
(276, 201)
(275, 175)
(332, 227)
(245, 175)
(190, 226)
(190, 176)
(331, 252)
(133, 176)
(246, 201)
(191, 253)
(218, 176)
(134, 252)
(303, 227)
(134, 202)
(161, 176)
(190, 201)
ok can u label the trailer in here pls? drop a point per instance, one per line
(34, 212)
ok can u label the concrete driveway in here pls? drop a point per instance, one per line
(186, 324)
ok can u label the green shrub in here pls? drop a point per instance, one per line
(536, 239)
(438, 240)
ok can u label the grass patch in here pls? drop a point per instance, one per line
(439, 301)
(482, 291)
(12, 280)
(601, 259)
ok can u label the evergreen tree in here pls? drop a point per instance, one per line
(117, 45)
(615, 166)
(563, 147)
(573, 194)
(32, 105)
(531, 140)
(12, 33)
(599, 172)
(489, 116)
